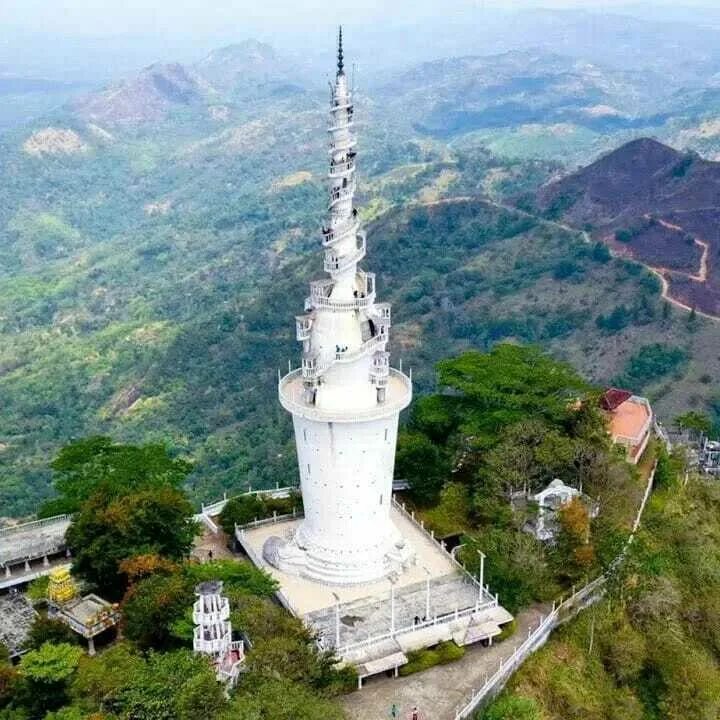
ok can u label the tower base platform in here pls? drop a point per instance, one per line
(373, 625)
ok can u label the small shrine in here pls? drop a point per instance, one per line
(550, 501)
(87, 616)
(213, 632)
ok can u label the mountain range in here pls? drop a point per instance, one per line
(156, 237)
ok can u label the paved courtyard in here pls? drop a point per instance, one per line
(437, 692)
(307, 596)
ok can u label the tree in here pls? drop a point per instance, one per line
(100, 680)
(48, 630)
(511, 383)
(696, 421)
(281, 699)
(46, 673)
(172, 686)
(110, 529)
(50, 663)
(85, 465)
(151, 607)
(419, 462)
(240, 511)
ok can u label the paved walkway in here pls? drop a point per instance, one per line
(438, 691)
(208, 541)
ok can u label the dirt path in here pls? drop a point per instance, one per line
(437, 692)
(700, 276)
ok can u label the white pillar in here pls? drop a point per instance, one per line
(427, 594)
(337, 620)
(91, 647)
(392, 606)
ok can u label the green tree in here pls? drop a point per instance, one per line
(46, 673)
(695, 421)
(85, 465)
(420, 462)
(109, 529)
(169, 686)
(51, 663)
(281, 699)
(100, 680)
(152, 606)
(240, 511)
(48, 630)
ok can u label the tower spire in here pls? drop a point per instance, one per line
(340, 64)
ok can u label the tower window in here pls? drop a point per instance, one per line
(386, 434)
(305, 434)
(381, 499)
(308, 468)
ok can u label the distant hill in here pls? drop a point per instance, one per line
(147, 97)
(654, 204)
(248, 68)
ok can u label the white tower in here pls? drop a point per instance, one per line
(345, 399)
(213, 632)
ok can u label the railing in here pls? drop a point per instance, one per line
(430, 534)
(331, 235)
(259, 522)
(337, 264)
(201, 617)
(313, 368)
(340, 169)
(365, 348)
(341, 145)
(34, 524)
(443, 619)
(343, 193)
(292, 399)
(214, 509)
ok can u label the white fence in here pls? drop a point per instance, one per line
(578, 601)
(410, 515)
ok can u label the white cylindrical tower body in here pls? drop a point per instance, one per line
(345, 399)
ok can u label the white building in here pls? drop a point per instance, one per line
(345, 399)
(213, 632)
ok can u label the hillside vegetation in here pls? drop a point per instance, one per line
(150, 269)
(650, 649)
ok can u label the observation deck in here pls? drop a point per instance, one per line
(398, 395)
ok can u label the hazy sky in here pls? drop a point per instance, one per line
(103, 17)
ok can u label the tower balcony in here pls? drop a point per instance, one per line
(204, 642)
(343, 145)
(303, 326)
(293, 397)
(203, 617)
(336, 124)
(384, 314)
(380, 370)
(343, 169)
(333, 235)
(320, 291)
(340, 104)
(339, 263)
(313, 368)
(343, 193)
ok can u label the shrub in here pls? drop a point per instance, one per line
(511, 707)
(419, 660)
(507, 631)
